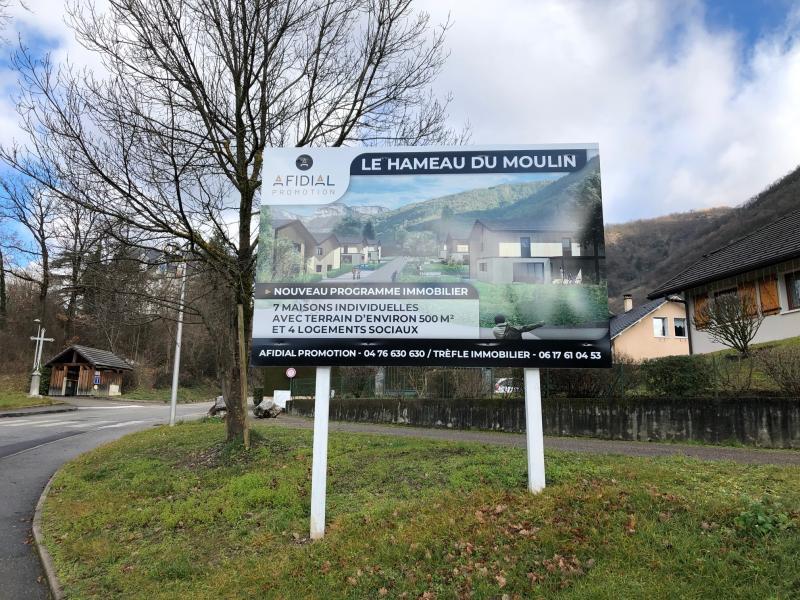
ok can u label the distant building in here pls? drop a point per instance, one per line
(765, 263)
(517, 251)
(84, 371)
(656, 328)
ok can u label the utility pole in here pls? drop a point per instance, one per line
(173, 403)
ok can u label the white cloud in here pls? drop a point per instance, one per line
(685, 116)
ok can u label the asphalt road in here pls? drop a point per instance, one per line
(32, 448)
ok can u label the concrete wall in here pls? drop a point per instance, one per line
(766, 422)
(639, 342)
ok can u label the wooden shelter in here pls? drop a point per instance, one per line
(84, 371)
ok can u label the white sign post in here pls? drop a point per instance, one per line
(319, 461)
(534, 433)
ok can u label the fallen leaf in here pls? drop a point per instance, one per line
(501, 581)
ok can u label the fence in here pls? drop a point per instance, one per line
(766, 422)
(678, 376)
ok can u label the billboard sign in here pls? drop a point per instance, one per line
(432, 256)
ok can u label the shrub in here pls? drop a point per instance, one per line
(592, 383)
(677, 376)
(782, 365)
(733, 374)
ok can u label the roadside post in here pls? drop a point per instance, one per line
(319, 464)
(491, 257)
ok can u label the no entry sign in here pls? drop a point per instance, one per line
(432, 256)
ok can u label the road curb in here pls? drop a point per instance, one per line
(47, 410)
(47, 561)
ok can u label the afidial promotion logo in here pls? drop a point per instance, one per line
(303, 185)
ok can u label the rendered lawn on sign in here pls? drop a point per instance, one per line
(174, 513)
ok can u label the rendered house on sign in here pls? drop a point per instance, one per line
(324, 252)
(515, 251)
(764, 266)
(457, 249)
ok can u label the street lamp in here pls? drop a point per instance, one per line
(173, 401)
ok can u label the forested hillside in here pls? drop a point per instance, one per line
(643, 254)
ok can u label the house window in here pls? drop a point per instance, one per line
(329, 268)
(319, 268)
(525, 247)
(319, 251)
(793, 289)
(680, 327)
(296, 246)
(352, 250)
(347, 259)
(462, 248)
(660, 326)
(482, 267)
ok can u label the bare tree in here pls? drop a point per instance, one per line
(171, 141)
(34, 208)
(731, 319)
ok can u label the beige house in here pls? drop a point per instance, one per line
(515, 251)
(327, 253)
(764, 266)
(657, 328)
(302, 241)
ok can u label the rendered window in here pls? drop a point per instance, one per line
(525, 247)
(319, 251)
(352, 250)
(793, 289)
(482, 266)
(319, 268)
(329, 268)
(509, 249)
(566, 245)
(462, 248)
(660, 326)
(680, 327)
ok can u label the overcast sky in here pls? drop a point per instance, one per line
(694, 104)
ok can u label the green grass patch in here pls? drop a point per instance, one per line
(186, 395)
(14, 394)
(174, 513)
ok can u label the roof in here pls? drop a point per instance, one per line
(95, 357)
(322, 236)
(620, 323)
(776, 242)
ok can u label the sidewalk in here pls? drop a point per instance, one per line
(37, 410)
(750, 456)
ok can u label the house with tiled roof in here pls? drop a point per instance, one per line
(764, 265)
(650, 330)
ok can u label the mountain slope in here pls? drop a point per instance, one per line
(643, 254)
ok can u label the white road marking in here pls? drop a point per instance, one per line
(56, 424)
(14, 423)
(123, 424)
(86, 423)
(110, 407)
(30, 423)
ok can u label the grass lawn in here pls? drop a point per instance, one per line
(13, 394)
(173, 513)
(185, 394)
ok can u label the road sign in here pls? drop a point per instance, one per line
(291, 372)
